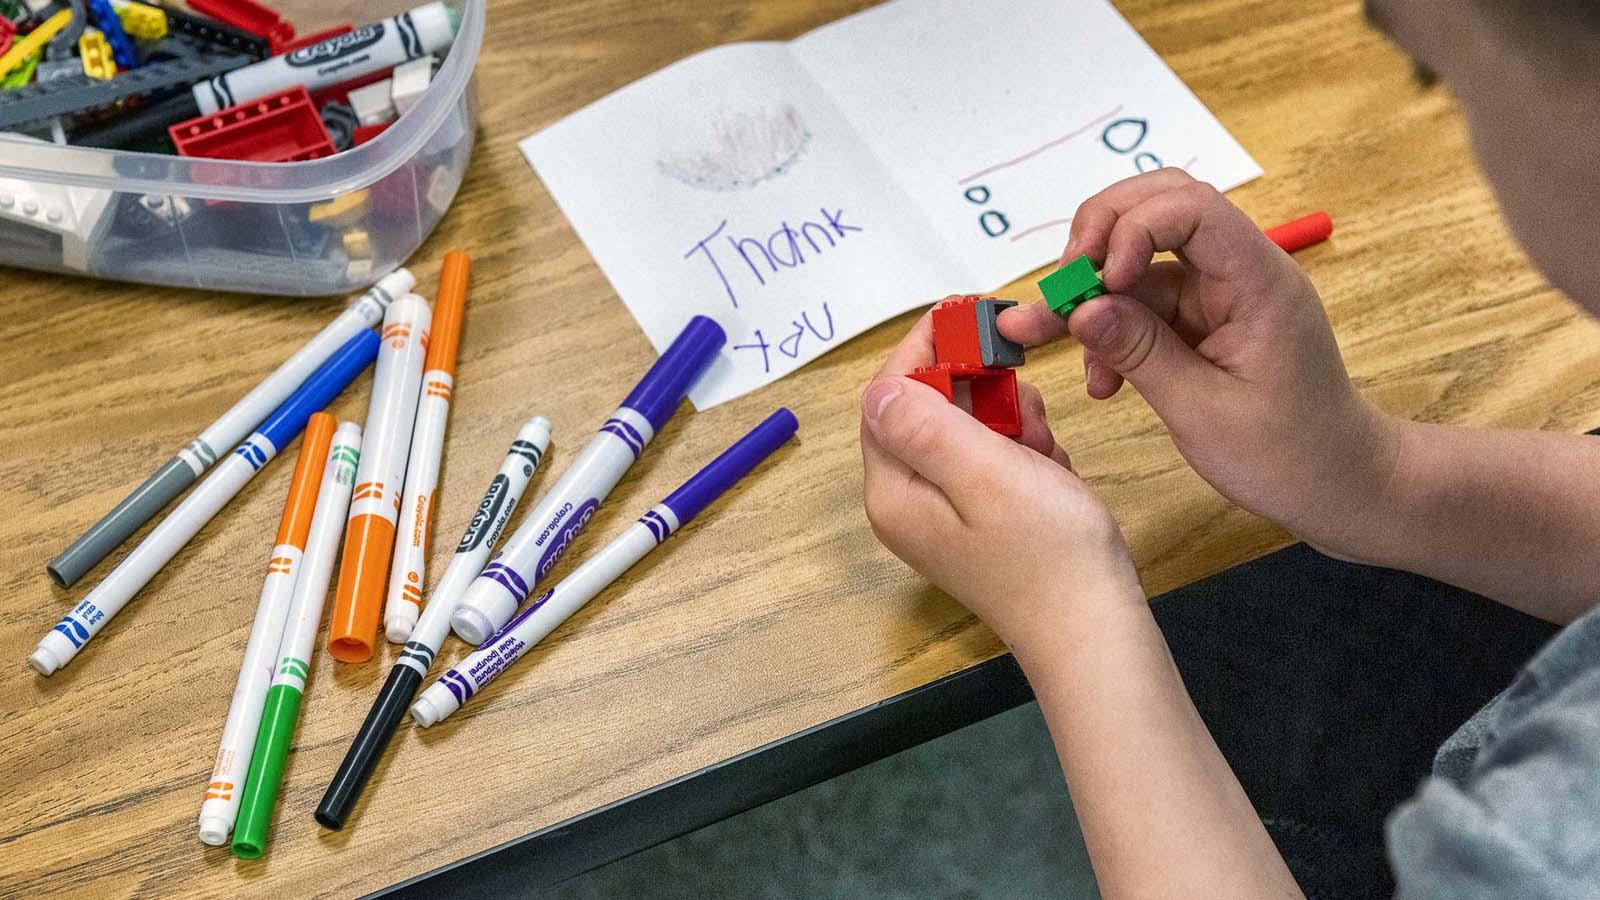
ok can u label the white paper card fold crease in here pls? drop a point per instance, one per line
(800, 193)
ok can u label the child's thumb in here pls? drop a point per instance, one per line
(1127, 336)
(917, 426)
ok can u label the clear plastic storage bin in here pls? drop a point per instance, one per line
(327, 226)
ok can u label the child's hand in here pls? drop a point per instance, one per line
(1003, 526)
(1232, 349)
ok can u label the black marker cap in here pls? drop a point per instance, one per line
(368, 746)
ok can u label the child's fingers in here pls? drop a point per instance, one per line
(1133, 341)
(1092, 223)
(915, 424)
(1099, 379)
(1036, 434)
(1211, 235)
(915, 349)
(894, 493)
(1031, 324)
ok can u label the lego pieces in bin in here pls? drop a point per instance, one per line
(77, 91)
(409, 82)
(72, 218)
(61, 45)
(341, 122)
(142, 22)
(281, 127)
(973, 362)
(215, 35)
(372, 103)
(95, 55)
(105, 19)
(248, 16)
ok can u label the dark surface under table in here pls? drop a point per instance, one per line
(1327, 685)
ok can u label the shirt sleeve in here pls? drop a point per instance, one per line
(1525, 819)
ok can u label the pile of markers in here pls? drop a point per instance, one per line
(224, 79)
(373, 491)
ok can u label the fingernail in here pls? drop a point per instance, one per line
(880, 393)
(1101, 328)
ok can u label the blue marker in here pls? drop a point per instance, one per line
(63, 642)
(548, 530)
(484, 665)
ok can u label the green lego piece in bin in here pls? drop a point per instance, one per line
(1070, 285)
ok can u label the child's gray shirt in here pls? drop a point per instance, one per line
(1513, 809)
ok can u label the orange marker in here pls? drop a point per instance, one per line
(427, 444)
(221, 804)
(369, 536)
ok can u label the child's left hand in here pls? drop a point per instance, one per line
(1006, 527)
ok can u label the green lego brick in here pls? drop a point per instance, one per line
(23, 73)
(1070, 285)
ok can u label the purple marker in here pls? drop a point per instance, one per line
(484, 665)
(548, 530)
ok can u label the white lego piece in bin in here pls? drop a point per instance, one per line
(79, 215)
(372, 104)
(37, 6)
(410, 83)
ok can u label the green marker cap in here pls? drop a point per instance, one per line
(266, 771)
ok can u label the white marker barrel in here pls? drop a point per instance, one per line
(343, 57)
(201, 453)
(535, 548)
(225, 788)
(427, 446)
(78, 627)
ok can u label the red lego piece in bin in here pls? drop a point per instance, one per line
(988, 394)
(8, 33)
(364, 133)
(281, 127)
(247, 15)
(319, 37)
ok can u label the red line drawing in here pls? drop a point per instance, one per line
(1041, 148)
(1040, 227)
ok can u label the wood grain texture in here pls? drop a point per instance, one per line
(776, 611)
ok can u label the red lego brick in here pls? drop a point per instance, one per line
(281, 127)
(8, 33)
(247, 15)
(988, 394)
(966, 332)
(364, 133)
(317, 38)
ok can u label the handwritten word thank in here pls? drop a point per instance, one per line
(737, 260)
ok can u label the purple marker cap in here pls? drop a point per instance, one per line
(735, 462)
(664, 386)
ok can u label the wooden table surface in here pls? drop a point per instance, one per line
(777, 611)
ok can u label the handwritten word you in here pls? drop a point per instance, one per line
(739, 260)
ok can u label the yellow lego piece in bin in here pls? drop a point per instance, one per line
(345, 209)
(357, 244)
(95, 53)
(143, 22)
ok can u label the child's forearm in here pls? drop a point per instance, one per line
(1512, 515)
(1162, 813)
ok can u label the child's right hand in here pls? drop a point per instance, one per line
(1230, 346)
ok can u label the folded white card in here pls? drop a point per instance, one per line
(800, 193)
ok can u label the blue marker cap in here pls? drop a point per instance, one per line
(735, 462)
(324, 384)
(664, 386)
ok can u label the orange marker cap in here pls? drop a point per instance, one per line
(363, 575)
(447, 312)
(302, 500)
